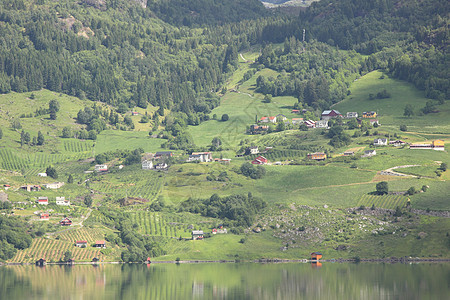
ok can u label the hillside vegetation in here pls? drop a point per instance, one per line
(91, 89)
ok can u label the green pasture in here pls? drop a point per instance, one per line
(391, 109)
(111, 140)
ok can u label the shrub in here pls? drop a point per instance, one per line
(225, 117)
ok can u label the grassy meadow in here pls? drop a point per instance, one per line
(390, 110)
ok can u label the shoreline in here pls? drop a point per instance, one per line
(391, 260)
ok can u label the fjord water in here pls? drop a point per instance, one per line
(227, 281)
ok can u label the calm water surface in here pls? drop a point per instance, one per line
(227, 281)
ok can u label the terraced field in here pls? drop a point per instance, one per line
(53, 251)
(385, 201)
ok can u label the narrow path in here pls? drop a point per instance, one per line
(391, 171)
(240, 54)
(74, 225)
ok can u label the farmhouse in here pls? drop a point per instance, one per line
(161, 166)
(260, 160)
(380, 142)
(223, 160)
(101, 168)
(310, 124)
(316, 256)
(42, 174)
(197, 235)
(255, 129)
(252, 150)
(349, 153)
(81, 244)
(65, 222)
(163, 154)
(62, 201)
(281, 117)
(45, 216)
(200, 156)
(369, 153)
(42, 200)
(54, 185)
(295, 111)
(31, 188)
(374, 121)
(438, 145)
(297, 121)
(268, 119)
(330, 114)
(397, 143)
(351, 114)
(317, 156)
(6, 186)
(369, 114)
(100, 244)
(147, 165)
(322, 124)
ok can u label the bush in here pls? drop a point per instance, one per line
(403, 128)
(225, 117)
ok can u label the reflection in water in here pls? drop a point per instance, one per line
(227, 281)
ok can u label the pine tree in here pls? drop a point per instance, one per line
(40, 139)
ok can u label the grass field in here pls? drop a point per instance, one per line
(110, 140)
(390, 110)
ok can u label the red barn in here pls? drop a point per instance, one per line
(260, 160)
(65, 222)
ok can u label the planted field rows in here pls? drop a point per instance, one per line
(78, 146)
(148, 189)
(279, 155)
(166, 225)
(83, 234)
(36, 162)
(53, 251)
(385, 201)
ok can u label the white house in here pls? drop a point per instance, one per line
(101, 168)
(380, 142)
(352, 114)
(200, 156)
(42, 174)
(368, 153)
(322, 124)
(62, 201)
(161, 166)
(253, 150)
(147, 165)
(53, 185)
(197, 234)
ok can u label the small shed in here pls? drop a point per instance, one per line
(197, 234)
(316, 256)
(41, 262)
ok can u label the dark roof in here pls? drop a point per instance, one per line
(316, 253)
(163, 153)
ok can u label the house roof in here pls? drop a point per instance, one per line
(81, 242)
(201, 153)
(163, 153)
(197, 232)
(316, 253)
(328, 112)
(100, 242)
(272, 118)
(263, 118)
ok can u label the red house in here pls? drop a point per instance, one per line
(45, 216)
(260, 160)
(316, 256)
(329, 114)
(65, 222)
(100, 244)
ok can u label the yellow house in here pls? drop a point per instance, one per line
(369, 114)
(438, 143)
